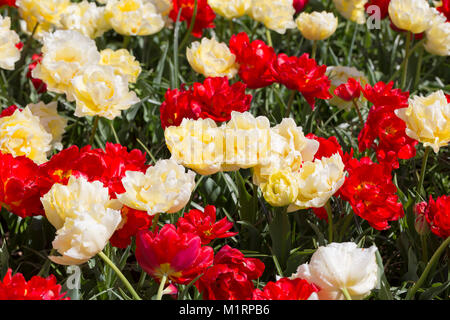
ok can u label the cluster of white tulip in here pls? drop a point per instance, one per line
(97, 81)
(281, 157)
(9, 53)
(417, 16)
(127, 17)
(85, 216)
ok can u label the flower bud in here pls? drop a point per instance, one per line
(281, 188)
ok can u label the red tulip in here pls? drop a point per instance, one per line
(371, 193)
(348, 91)
(204, 225)
(299, 5)
(15, 287)
(437, 213)
(304, 75)
(204, 18)
(286, 289)
(132, 222)
(255, 60)
(230, 277)
(172, 253)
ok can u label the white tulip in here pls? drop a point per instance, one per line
(84, 216)
(339, 267)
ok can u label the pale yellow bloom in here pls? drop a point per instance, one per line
(428, 120)
(86, 18)
(22, 134)
(45, 12)
(339, 75)
(341, 266)
(352, 10)
(230, 9)
(281, 189)
(212, 58)
(65, 53)
(134, 17)
(85, 218)
(165, 187)
(197, 144)
(98, 91)
(438, 36)
(287, 149)
(411, 15)
(123, 63)
(163, 6)
(52, 122)
(318, 181)
(317, 25)
(9, 54)
(247, 141)
(277, 15)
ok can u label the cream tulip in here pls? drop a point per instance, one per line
(317, 25)
(164, 187)
(230, 9)
(65, 53)
(134, 17)
(428, 119)
(212, 58)
(276, 15)
(438, 36)
(22, 134)
(318, 181)
(9, 54)
(84, 216)
(341, 266)
(52, 122)
(411, 15)
(352, 10)
(98, 91)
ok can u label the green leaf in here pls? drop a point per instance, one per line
(435, 290)
(385, 288)
(4, 257)
(280, 233)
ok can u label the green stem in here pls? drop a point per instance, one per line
(114, 131)
(45, 267)
(146, 150)
(405, 61)
(290, 103)
(430, 264)
(120, 275)
(269, 38)
(419, 68)
(191, 26)
(330, 221)
(422, 173)
(142, 279)
(314, 49)
(94, 129)
(347, 221)
(155, 222)
(161, 287)
(423, 239)
(359, 112)
(126, 42)
(346, 294)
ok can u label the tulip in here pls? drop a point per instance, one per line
(84, 216)
(428, 120)
(341, 271)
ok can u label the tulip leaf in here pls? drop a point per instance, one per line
(4, 257)
(280, 233)
(435, 290)
(385, 289)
